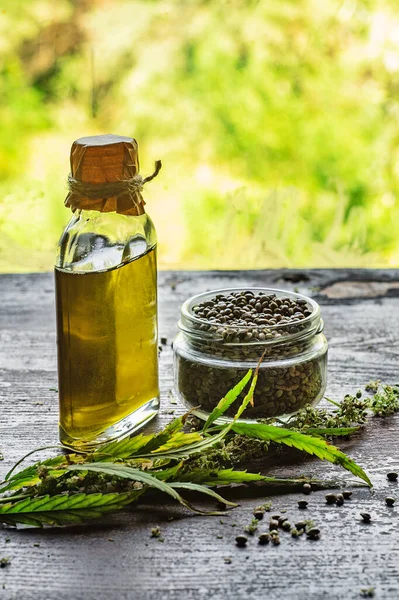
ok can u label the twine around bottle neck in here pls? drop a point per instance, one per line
(113, 189)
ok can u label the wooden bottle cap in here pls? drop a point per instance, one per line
(105, 159)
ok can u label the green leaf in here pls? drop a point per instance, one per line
(168, 474)
(124, 448)
(306, 443)
(57, 447)
(62, 509)
(211, 440)
(195, 487)
(331, 431)
(227, 400)
(143, 444)
(29, 476)
(178, 440)
(120, 470)
(164, 436)
(220, 476)
(248, 397)
(194, 448)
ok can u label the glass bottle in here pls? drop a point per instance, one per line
(106, 298)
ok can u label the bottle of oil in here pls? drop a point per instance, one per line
(106, 296)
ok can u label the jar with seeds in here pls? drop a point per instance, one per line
(223, 333)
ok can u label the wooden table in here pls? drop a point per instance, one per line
(198, 559)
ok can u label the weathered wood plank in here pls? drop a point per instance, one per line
(363, 332)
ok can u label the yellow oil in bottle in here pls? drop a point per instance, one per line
(107, 348)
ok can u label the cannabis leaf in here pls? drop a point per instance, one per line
(306, 443)
(220, 476)
(124, 471)
(227, 400)
(195, 487)
(331, 431)
(62, 509)
(143, 444)
(29, 476)
(178, 440)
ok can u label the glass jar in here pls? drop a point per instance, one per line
(211, 357)
(106, 298)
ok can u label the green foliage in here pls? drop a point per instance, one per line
(137, 475)
(277, 123)
(227, 400)
(69, 488)
(306, 443)
(61, 510)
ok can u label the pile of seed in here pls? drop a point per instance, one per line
(259, 313)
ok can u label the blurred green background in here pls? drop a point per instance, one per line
(277, 123)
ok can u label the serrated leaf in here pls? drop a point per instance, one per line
(220, 476)
(307, 443)
(120, 470)
(140, 444)
(195, 487)
(248, 398)
(163, 436)
(62, 509)
(168, 474)
(29, 477)
(332, 431)
(178, 440)
(191, 449)
(124, 448)
(227, 400)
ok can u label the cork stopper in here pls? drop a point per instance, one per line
(105, 159)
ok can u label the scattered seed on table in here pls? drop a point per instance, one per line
(259, 509)
(295, 533)
(264, 539)
(258, 514)
(275, 517)
(282, 520)
(273, 533)
(302, 504)
(241, 540)
(367, 592)
(276, 540)
(331, 498)
(4, 562)
(306, 488)
(286, 526)
(366, 517)
(390, 501)
(392, 476)
(347, 494)
(301, 525)
(340, 499)
(313, 533)
(273, 524)
(155, 532)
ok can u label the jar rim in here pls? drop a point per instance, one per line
(190, 323)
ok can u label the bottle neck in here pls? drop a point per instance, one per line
(96, 241)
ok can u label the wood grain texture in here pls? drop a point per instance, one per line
(118, 558)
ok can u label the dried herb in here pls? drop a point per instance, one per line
(350, 414)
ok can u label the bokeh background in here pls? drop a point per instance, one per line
(277, 123)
